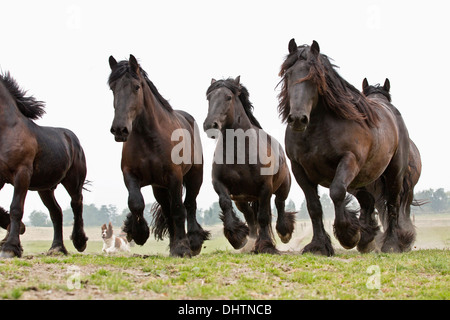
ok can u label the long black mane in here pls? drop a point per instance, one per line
(123, 67)
(339, 96)
(243, 96)
(28, 105)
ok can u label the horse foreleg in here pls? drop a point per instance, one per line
(320, 243)
(285, 220)
(346, 224)
(12, 245)
(234, 229)
(137, 229)
(179, 244)
(193, 181)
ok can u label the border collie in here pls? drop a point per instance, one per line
(112, 243)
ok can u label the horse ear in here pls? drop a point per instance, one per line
(365, 84)
(292, 46)
(112, 62)
(213, 80)
(237, 81)
(315, 49)
(134, 64)
(387, 85)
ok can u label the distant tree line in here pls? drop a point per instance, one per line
(431, 201)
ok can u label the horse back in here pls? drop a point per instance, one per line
(59, 152)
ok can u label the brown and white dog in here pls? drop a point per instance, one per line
(112, 243)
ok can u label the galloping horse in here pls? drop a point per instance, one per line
(146, 124)
(377, 189)
(38, 158)
(248, 174)
(339, 139)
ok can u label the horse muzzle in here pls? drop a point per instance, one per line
(120, 133)
(212, 129)
(298, 122)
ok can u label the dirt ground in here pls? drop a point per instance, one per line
(433, 233)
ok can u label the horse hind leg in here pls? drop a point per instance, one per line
(48, 198)
(369, 225)
(249, 210)
(265, 241)
(74, 187)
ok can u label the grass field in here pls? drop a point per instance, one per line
(220, 272)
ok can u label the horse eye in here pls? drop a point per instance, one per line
(137, 87)
(227, 98)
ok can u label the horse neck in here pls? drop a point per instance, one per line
(153, 114)
(9, 112)
(241, 120)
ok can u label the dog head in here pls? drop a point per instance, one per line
(107, 231)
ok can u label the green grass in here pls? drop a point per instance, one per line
(422, 274)
(219, 272)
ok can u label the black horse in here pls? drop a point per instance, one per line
(150, 130)
(378, 188)
(248, 171)
(338, 138)
(37, 158)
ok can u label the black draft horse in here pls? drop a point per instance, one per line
(249, 166)
(37, 158)
(378, 188)
(338, 138)
(150, 130)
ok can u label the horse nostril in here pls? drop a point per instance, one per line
(304, 120)
(124, 130)
(290, 119)
(215, 125)
(113, 131)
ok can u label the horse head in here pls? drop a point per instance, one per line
(302, 90)
(221, 100)
(126, 83)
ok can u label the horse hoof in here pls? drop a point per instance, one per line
(350, 243)
(237, 245)
(181, 253)
(7, 254)
(181, 249)
(319, 248)
(286, 238)
(366, 247)
(59, 250)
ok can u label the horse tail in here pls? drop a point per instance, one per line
(87, 183)
(160, 225)
(4, 218)
(127, 226)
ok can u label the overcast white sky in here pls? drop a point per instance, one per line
(58, 51)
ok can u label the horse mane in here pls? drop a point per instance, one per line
(123, 67)
(243, 94)
(377, 88)
(339, 96)
(28, 105)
